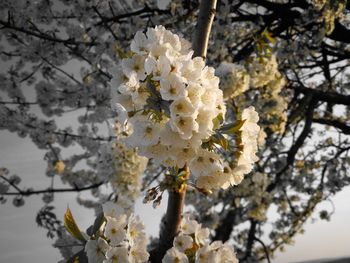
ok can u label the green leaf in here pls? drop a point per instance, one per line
(217, 121)
(221, 140)
(71, 226)
(232, 127)
(268, 36)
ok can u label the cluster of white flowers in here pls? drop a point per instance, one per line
(275, 105)
(167, 103)
(128, 170)
(212, 173)
(192, 245)
(122, 238)
(262, 73)
(248, 140)
(234, 79)
(262, 70)
(169, 99)
(255, 187)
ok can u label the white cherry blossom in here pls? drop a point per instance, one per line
(96, 249)
(115, 229)
(183, 242)
(173, 255)
(117, 254)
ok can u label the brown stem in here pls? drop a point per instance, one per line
(205, 20)
(251, 238)
(171, 221)
(170, 225)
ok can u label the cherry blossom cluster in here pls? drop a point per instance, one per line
(273, 104)
(167, 103)
(256, 185)
(221, 174)
(129, 168)
(121, 239)
(234, 79)
(262, 74)
(248, 141)
(262, 70)
(192, 245)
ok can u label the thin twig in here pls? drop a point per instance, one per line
(51, 190)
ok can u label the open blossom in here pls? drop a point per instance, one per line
(138, 253)
(174, 255)
(117, 254)
(114, 230)
(145, 132)
(183, 242)
(111, 209)
(199, 164)
(216, 253)
(136, 230)
(194, 240)
(123, 239)
(96, 249)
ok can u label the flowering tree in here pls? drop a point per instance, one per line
(233, 140)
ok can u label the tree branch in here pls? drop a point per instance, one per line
(251, 238)
(297, 145)
(266, 251)
(170, 225)
(325, 96)
(145, 10)
(334, 123)
(225, 228)
(51, 190)
(171, 222)
(205, 20)
(45, 36)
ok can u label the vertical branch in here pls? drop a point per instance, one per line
(205, 20)
(225, 228)
(172, 220)
(251, 239)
